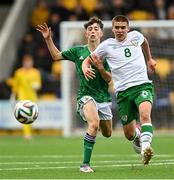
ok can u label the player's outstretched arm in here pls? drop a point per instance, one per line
(46, 33)
(87, 70)
(151, 63)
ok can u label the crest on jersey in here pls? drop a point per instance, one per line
(134, 42)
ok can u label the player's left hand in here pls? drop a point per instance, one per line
(151, 63)
(44, 29)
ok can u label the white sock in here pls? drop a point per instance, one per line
(146, 139)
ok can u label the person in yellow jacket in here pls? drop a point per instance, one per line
(26, 83)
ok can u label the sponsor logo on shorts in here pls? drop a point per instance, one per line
(124, 118)
(144, 94)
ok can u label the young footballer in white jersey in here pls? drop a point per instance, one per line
(126, 55)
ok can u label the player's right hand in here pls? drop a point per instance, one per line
(88, 72)
(43, 28)
(151, 65)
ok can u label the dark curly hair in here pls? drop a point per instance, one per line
(93, 20)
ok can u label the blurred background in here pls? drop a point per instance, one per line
(59, 84)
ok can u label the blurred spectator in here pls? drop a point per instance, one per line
(40, 13)
(169, 2)
(160, 9)
(73, 17)
(167, 33)
(80, 12)
(56, 70)
(102, 11)
(147, 5)
(161, 101)
(119, 7)
(43, 60)
(59, 8)
(25, 84)
(170, 79)
(54, 23)
(140, 15)
(142, 10)
(28, 45)
(89, 5)
(170, 12)
(162, 106)
(70, 4)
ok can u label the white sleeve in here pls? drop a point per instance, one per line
(140, 38)
(100, 51)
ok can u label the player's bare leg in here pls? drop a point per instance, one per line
(106, 127)
(91, 115)
(132, 133)
(136, 141)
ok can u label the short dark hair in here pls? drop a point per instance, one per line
(93, 20)
(120, 18)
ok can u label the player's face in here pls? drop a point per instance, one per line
(120, 30)
(93, 32)
(27, 62)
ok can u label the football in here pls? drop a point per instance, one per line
(26, 111)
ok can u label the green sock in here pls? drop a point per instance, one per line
(88, 147)
(89, 142)
(147, 127)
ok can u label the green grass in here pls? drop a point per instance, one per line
(59, 158)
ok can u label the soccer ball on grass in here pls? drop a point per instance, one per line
(26, 112)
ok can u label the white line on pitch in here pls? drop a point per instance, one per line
(96, 166)
(78, 162)
(76, 156)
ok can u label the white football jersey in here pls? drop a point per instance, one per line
(126, 60)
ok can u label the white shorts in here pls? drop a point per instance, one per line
(104, 109)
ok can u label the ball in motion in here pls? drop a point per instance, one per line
(26, 112)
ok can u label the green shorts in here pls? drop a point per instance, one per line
(129, 100)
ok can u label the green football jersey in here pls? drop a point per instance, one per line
(97, 87)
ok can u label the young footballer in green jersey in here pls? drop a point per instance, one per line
(126, 54)
(93, 97)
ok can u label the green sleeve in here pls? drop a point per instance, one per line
(70, 54)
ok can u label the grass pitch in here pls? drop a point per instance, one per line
(60, 158)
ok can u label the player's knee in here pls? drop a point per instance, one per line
(145, 117)
(94, 127)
